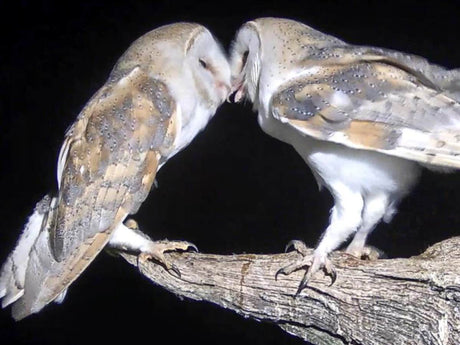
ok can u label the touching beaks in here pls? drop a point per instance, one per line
(239, 94)
(237, 91)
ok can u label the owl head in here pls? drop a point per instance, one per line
(267, 51)
(187, 58)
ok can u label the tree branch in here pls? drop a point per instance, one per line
(382, 302)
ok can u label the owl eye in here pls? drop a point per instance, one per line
(245, 57)
(203, 63)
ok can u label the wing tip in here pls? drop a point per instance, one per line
(11, 297)
(22, 308)
(4, 279)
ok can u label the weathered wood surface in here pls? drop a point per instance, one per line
(384, 302)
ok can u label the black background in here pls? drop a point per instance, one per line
(233, 190)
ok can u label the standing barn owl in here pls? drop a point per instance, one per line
(364, 119)
(161, 93)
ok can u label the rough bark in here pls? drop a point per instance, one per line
(383, 302)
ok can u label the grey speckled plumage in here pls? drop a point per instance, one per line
(364, 119)
(113, 153)
(160, 94)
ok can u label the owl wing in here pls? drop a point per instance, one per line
(375, 103)
(432, 75)
(110, 157)
(106, 168)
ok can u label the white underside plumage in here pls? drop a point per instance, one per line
(364, 119)
(191, 127)
(366, 185)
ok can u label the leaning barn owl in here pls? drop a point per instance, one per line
(364, 119)
(159, 96)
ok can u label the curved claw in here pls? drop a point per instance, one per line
(289, 245)
(174, 269)
(280, 271)
(142, 258)
(330, 271)
(311, 264)
(333, 275)
(298, 246)
(193, 248)
(303, 284)
(287, 270)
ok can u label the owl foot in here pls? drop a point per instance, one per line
(128, 237)
(310, 263)
(366, 253)
(155, 250)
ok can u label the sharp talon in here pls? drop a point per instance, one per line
(289, 245)
(312, 264)
(333, 275)
(330, 271)
(299, 289)
(280, 271)
(174, 269)
(304, 282)
(298, 246)
(193, 248)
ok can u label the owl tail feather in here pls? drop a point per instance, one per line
(13, 271)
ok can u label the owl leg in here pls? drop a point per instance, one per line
(376, 207)
(307, 263)
(128, 237)
(346, 218)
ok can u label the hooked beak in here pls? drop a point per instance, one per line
(238, 91)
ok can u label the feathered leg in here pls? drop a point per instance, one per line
(128, 237)
(376, 207)
(346, 218)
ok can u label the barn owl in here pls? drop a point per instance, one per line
(159, 96)
(364, 119)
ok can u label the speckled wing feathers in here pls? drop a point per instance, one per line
(427, 73)
(374, 105)
(109, 164)
(113, 152)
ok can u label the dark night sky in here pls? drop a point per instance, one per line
(233, 190)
